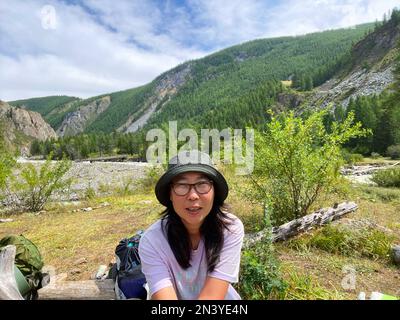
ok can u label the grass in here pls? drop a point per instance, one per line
(64, 236)
(344, 240)
(380, 160)
(387, 178)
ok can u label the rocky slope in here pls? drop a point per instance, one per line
(167, 85)
(76, 122)
(369, 72)
(19, 127)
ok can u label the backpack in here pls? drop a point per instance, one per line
(127, 271)
(28, 264)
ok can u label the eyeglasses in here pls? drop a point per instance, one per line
(201, 187)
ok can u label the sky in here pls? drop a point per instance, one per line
(85, 48)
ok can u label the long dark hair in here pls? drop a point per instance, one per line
(212, 230)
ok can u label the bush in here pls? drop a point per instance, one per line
(367, 242)
(394, 151)
(375, 155)
(126, 188)
(260, 277)
(90, 193)
(296, 161)
(380, 193)
(387, 178)
(351, 158)
(151, 177)
(7, 162)
(36, 186)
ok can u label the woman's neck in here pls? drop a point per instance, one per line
(194, 236)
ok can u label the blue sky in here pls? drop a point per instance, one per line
(89, 47)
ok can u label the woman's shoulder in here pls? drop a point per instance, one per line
(154, 232)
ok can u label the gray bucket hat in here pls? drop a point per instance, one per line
(189, 161)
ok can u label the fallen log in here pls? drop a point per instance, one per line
(8, 284)
(297, 226)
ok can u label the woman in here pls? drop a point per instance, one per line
(193, 251)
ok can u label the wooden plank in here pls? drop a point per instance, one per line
(59, 289)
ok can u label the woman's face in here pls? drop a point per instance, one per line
(194, 206)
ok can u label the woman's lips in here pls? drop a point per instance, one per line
(193, 210)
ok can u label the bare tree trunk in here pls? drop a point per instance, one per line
(294, 227)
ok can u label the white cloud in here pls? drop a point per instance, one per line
(103, 46)
(79, 56)
(293, 17)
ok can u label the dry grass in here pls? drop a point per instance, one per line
(64, 236)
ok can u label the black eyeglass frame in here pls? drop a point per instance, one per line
(192, 185)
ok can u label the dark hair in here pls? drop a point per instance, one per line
(212, 230)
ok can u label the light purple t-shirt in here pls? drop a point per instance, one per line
(162, 270)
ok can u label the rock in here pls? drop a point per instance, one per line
(80, 261)
(75, 271)
(396, 254)
(6, 220)
(87, 209)
(101, 272)
(145, 201)
(19, 121)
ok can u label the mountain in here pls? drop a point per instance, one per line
(19, 127)
(206, 92)
(368, 72)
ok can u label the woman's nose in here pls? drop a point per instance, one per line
(192, 195)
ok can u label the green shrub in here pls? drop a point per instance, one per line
(260, 277)
(36, 186)
(351, 158)
(151, 177)
(296, 161)
(90, 193)
(7, 162)
(367, 242)
(394, 151)
(380, 193)
(375, 155)
(387, 178)
(126, 188)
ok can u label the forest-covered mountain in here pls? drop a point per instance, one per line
(205, 92)
(235, 87)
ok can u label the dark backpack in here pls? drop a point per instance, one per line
(29, 262)
(127, 271)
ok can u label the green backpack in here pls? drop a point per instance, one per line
(28, 260)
